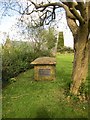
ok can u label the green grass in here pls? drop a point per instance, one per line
(27, 98)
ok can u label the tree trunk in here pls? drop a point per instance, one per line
(80, 64)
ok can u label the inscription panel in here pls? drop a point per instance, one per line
(44, 72)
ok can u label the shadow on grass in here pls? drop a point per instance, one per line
(42, 113)
(5, 84)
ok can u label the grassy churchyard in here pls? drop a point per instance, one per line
(27, 98)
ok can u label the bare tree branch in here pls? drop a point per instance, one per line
(57, 4)
(73, 6)
(73, 26)
(77, 15)
(37, 6)
(82, 8)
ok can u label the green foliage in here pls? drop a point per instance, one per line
(51, 38)
(60, 41)
(17, 58)
(60, 46)
(84, 89)
(45, 38)
(65, 50)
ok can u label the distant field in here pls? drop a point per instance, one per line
(27, 98)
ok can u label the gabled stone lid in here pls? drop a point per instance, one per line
(44, 61)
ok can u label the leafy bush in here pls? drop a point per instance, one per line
(17, 58)
(13, 62)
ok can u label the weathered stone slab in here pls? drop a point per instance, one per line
(44, 68)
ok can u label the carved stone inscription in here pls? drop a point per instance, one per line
(44, 72)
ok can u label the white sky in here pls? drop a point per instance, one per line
(61, 25)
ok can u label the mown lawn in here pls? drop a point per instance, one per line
(27, 98)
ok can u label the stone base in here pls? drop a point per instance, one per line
(46, 72)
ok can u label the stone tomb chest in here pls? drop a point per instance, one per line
(44, 68)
